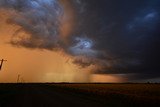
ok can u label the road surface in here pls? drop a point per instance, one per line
(41, 95)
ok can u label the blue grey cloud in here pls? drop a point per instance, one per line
(39, 19)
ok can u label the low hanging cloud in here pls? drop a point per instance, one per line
(126, 36)
(39, 22)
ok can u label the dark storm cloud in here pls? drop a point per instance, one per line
(82, 62)
(116, 36)
(39, 19)
(126, 31)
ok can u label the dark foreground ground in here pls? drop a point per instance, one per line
(79, 95)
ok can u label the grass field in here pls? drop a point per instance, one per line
(119, 94)
(86, 95)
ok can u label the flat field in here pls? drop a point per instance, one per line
(79, 95)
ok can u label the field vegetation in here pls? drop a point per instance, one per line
(80, 95)
(118, 94)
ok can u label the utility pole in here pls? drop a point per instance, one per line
(18, 78)
(2, 63)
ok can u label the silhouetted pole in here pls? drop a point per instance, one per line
(2, 63)
(18, 78)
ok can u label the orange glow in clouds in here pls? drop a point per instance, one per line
(68, 20)
(41, 65)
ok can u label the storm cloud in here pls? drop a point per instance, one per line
(39, 22)
(126, 35)
(117, 37)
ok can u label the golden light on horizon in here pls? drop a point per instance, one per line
(106, 78)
